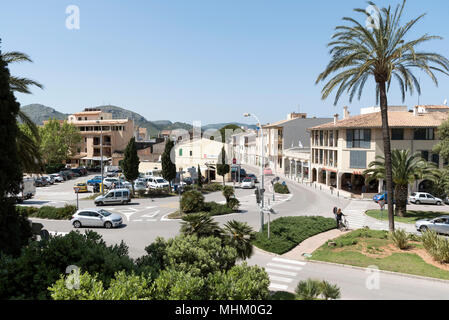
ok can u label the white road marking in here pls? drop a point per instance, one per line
(281, 279)
(277, 265)
(151, 215)
(285, 273)
(278, 286)
(57, 233)
(300, 263)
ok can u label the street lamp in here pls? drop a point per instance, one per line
(247, 115)
(101, 156)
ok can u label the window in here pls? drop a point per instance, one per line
(358, 138)
(397, 134)
(357, 160)
(424, 134)
(180, 152)
(425, 155)
(118, 194)
(191, 153)
(436, 158)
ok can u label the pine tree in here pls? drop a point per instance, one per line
(131, 162)
(168, 166)
(223, 167)
(15, 230)
(200, 176)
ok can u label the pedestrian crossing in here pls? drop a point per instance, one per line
(283, 272)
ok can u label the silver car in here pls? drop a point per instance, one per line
(439, 225)
(424, 198)
(96, 218)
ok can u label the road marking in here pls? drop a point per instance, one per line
(57, 233)
(277, 265)
(278, 286)
(300, 263)
(281, 279)
(151, 215)
(285, 273)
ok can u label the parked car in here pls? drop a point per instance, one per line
(82, 187)
(49, 179)
(158, 183)
(188, 181)
(140, 186)
(383, 196)
(115, 196)
(446, 200)
(248, 183)
(267, 172)
(83, 170)
(96, 218)
(94, 180)
(439, 225)
(77, 172)
(65, 175)
(109, 181)
(424, 198)
(57, 177)
(253, 176)
(40, 182)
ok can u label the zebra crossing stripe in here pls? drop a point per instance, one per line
(281, 279)
(283, 266)
(300, 263)
(285, 273)
(278, 286)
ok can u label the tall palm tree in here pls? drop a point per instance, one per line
(381, 53)
(27, 144)
(200, 224)
(406, 169)
(240, 235)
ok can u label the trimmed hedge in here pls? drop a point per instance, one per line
(217, 209)
(47, 212)
(288, 232)
(280, 188)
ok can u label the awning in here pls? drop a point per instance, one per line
(96, 158)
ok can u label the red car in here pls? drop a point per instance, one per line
(267, 172)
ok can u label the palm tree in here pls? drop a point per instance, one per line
(27, 144)
(240, 236)
(406, 169)
(383, 53)
(200, 224)
(440, 179)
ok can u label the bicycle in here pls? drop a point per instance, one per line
(343, 224)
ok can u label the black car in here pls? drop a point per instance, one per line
(252, 176)
(40, 182)
(188, 181)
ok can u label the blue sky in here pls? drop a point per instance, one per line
(204, 60)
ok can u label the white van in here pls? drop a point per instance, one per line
(27, 189)
(115, 196)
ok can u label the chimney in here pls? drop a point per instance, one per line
(415, 111)
(335, 118)
(345, 112)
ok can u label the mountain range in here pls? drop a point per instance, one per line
(38, 113)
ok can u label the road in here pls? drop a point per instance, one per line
(144, 221)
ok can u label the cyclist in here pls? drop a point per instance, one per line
(339, 215)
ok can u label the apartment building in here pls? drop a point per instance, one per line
(245, 149)
(94, 124)
(342, 149)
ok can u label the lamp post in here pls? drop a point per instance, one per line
(261, 169)
(101, 156)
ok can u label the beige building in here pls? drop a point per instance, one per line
(343, 149)
(203, 152)
(93, 123)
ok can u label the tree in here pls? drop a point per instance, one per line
(15, 230)
(223, 167)
(19, 84)
(240, 235)
(200, 224)
(28, 150)
(442, 147)
(406, 169)
(440, 179)
(229, 128)
(168, 166)
(381, 52)
(200, 178)
(131, 162)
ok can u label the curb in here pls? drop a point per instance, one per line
(404, 275)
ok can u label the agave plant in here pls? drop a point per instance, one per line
(200, 224)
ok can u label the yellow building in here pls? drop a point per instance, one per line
(93, 123)
(341, 150)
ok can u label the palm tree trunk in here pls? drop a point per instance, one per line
(401, 193)
(387, 151)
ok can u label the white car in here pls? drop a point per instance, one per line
(57, 177)
(247, 183)
(158, 183)
(140, 186)
(109, 181)
(424, 198)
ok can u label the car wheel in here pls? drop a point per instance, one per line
(100, 203)
(123, 201)
(417, 202)
(77, 224)
(108, 225)
(423, 229)
(438, 203)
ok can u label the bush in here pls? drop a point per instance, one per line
(47, 212)
(436, 246)
(280, 188)
(192, 201)
(212, 187)
(288, 232)
(15, 230)
(400, 239)
(42, 262)
(216, 209)
(228, 192)
(141, 193)
(179, 285)
(312, 289)
(233, 204)
(54, 168)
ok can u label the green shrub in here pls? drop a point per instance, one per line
(212, 187)
(48, 212)
(192, 201)
(436, 246)
(141, 193)
(288, 232)
(312, 289)
(216, 209)
(54, 168)
(233, 204)
(228, 192)
(280, 188)
(330, 291)
(400, 239)
(42, 262)
(173, 284)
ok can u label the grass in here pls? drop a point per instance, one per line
(411, 216)
(354, 247)
(288, 232)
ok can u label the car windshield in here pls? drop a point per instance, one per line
(160, 180)
(105, 213)
(247, 180)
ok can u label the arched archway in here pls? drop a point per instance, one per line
(314, 175)
(425, 186)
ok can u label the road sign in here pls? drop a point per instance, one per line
(234, 161)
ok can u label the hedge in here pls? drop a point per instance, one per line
(47, 212)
